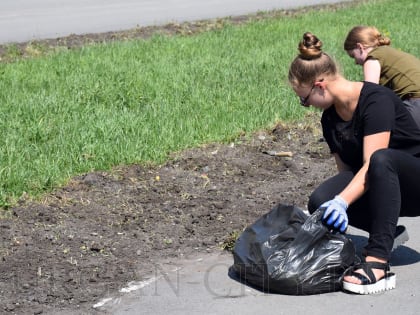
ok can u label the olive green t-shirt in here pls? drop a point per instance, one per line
(400, 71)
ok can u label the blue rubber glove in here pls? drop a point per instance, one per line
(335, 215)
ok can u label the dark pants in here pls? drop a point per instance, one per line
(413, 106)
(394, 191)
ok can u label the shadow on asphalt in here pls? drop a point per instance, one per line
(234, 276)
(401, 256)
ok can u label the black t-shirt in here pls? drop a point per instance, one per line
(378, 110)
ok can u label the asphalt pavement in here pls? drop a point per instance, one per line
(201, 285)
(26, 20)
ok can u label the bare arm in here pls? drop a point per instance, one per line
(372, 70)
(358, 186)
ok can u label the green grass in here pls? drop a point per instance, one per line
(130, 102)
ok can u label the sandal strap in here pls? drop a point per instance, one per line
(377, 265)
(363, 279)
(367, 268)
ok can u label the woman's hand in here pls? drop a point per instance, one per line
(335, 215)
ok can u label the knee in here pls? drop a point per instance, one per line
(380, 156)
(380, 163)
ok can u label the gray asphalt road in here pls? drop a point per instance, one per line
(24, 20)
(201, 285)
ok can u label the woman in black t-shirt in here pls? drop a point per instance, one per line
(376, 146)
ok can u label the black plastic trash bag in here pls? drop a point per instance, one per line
(288, 252)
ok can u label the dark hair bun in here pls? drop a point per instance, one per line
(310, 46)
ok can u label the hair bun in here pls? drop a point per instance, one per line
(310, 46)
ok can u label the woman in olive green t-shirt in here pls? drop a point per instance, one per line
(386, 65)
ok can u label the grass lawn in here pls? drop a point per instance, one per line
(78, 110)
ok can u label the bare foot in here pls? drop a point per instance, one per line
(379, 273)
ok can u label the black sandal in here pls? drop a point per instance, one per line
(369, 284)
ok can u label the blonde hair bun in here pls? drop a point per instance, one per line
(310, 47)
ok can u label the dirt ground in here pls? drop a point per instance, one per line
(104, 229)
(90, 238)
